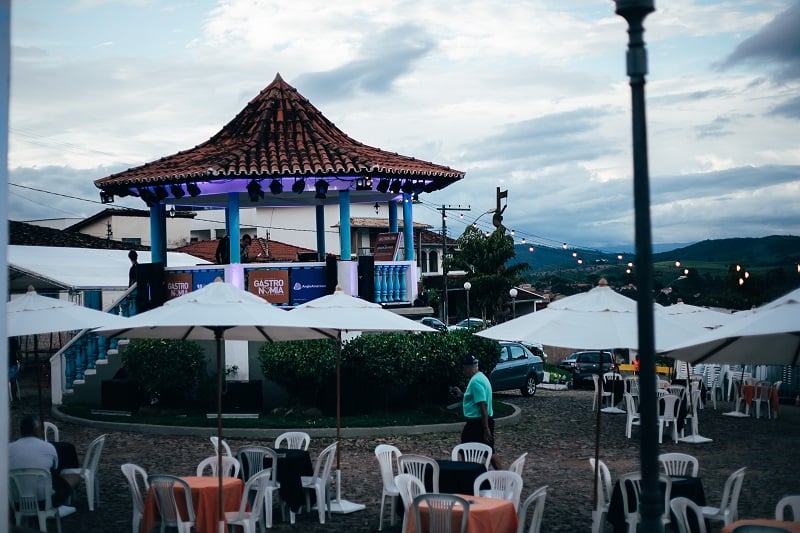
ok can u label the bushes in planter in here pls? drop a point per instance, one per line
(169, 372)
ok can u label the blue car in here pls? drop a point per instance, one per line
(519, 368)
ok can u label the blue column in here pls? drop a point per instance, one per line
(232, 223)
(392, 216)
(408, 228)
(94, 300)
(158, 234)
(344, 225)
(321, 233)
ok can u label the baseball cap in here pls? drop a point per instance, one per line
(469, 360)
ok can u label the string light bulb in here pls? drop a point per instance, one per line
(530, 249)
(798, 266)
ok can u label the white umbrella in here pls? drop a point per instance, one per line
(703, 316)
(343, 313)
(33, 314)
(218, 309)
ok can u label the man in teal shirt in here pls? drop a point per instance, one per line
(477, 406)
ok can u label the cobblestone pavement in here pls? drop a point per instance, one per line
(556, 428)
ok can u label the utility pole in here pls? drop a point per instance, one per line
(444, 209)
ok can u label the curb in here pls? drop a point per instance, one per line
(271, 433)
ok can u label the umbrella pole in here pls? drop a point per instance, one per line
(338, 397)
(38, 377)
(597, 436)
(221, 515)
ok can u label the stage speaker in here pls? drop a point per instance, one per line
(331, 274)
(150, 286)
(366, 277)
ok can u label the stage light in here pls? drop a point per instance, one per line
(193, 189)
(106, 197)
(254, 191)
(276, 187)
(395, 186)
(177, 191)
(299, 186)
(364, 184)
(322, 189)
(383, 185)
(407, 187)
(160, 192)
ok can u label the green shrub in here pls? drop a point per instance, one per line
(169, 372)
(383, 370)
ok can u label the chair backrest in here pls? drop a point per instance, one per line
(671, 403)
(791, 502)
(730, 494)
(677, 464)
(440, 512)
(611, 376)
(519, 464)
(603, 483)
(533, 505)
(28, 487)
(230, 466)
(295, 440)
(634, 480)
(137, 482)
(503, 484)
(689, 516)
(257, 483)
(677, 390)
(475, 452)
(632, 385)
(50, 432)
(215, 442)
(253, 458)
(92, 457)
(322, 468)
(409, 487)
(777, 385)
(630, 404)
(163, 488)
(416, 465)
(388, 456)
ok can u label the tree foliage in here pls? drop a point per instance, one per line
(169, 372)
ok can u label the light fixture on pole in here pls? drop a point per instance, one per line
(467, 287)
(513, 293)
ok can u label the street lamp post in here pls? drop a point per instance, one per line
(634, 12)
(467, 287)
(513, 293)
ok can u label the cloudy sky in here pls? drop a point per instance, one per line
(531, 96)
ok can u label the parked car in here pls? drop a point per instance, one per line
(584, 364)
(470, 323)
(519, 368)
(434, 323)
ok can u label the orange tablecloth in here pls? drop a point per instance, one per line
(749, 392)
(486, 515)
(204, 500)
(792, 527)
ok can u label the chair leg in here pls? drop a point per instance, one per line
(392, 510)
(268, 509)
(89, 481)
(380, 520)
(321, 503)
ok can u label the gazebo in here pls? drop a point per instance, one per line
(280, 151)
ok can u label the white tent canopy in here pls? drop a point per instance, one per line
(55, 268)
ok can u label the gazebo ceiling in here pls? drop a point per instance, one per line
(279, 150)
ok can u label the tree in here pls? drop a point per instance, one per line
(485, 260)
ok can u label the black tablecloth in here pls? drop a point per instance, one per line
(455, 477)
(686, 486)
(682, 411)
(292, 464)
(616, 387)
(67, 456)
(703, 389)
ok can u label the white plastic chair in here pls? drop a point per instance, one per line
(230, 466)
(440, 512)
(763, 395)
(475, 452)
(519, 464)
(243, 518)
(728, 509)
(676, 464)
(319, 482)
(671, 404)
(790, 502)
(253, 457)
(409, 486)
(295, 440)
(225, 446)
(25, 496)
(50, 432)
(610, 377)
(137, 483)
(89, 471)
(603, 495)
(631, 509)
(681, 507)
(533, 505)
(677, 390)
(388, 456)
(633, 418)
(503, 484)
(163, 488)
(632, 387)
(416, 465)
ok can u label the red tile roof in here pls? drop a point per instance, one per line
(261, 250)
(278, 134)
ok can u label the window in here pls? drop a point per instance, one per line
(132, 240)
(433, 261)
(517, 352)
(422, 260)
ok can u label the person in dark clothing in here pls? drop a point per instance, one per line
(223, 253)
(134, 257)
(13, 368)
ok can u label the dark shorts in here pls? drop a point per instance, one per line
(473, 431)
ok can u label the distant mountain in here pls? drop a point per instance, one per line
(775, 250)
(657, 248)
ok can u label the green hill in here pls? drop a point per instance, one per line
(772, 251)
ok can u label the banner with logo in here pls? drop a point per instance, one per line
(178, 284)
(272, 285)
(307, 284)
(201, 278)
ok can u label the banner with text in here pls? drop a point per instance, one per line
(386, 246)
(307, 284)
(272, 285)
(178, 284)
